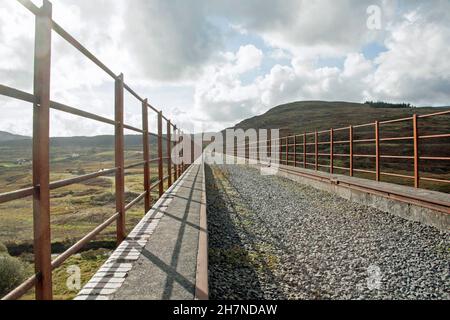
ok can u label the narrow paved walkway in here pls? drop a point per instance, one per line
(272, 238)
(158, 260)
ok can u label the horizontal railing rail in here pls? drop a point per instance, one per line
(40, 190)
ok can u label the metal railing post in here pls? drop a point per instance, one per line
(119, 159)
(169, 153)
(316, 149)
(180, 165)
(175, 143)
(177, 166)
(246, 150)
(304, 150)
(160, 156)
(182, 153)
(351, 149)
(287, 150)
(331, 151)
(41, 184)
(41, 151)
(192, 149)
(280, 149)
(416, 151)
(258, 138)
(179, 154)
(145, 146)
(251, 153)
(295, 151)
(377, 150)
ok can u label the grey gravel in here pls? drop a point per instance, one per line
(272, 238)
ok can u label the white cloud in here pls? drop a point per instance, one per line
(416, 66)
(309, 28)
(173, 52)
(170, 40)
(355, 65)
(16, 45)
(280, 54)
(248, 58)
(220, 96)
(238, 28)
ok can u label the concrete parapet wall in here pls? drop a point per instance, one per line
(413, 212)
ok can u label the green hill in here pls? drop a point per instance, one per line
(298, 117)
(6, 136)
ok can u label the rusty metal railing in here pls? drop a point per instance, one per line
(309, 155)
(41, 187)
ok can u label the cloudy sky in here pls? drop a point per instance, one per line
(210, 64)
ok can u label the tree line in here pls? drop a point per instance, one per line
(382, 104)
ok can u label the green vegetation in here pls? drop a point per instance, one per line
(381, 104)
(298, 117)
(6, 136)
(259, 255)
(75, 210)
(308, 116)
(12, 271)
(88, 262)
(237, 257)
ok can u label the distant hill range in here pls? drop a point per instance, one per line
(9, 139)
(295, 117)
(6, 136)
(298, 117)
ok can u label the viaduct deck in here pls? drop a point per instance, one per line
(164, 257)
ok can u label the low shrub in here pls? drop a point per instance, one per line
(12, 273)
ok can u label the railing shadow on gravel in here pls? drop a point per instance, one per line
(277, 240)
(230, 274)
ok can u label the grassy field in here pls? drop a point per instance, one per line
(75, 210)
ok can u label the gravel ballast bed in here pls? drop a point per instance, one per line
(272, 238)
